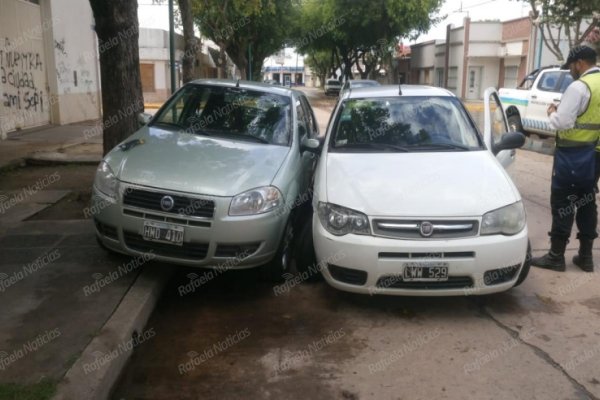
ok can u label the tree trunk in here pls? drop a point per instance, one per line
(118, 32)
(191, 45)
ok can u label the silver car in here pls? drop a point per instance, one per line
(219, 177)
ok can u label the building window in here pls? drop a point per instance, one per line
(147, 75)
(510, 77)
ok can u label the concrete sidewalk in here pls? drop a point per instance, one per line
(80, 142)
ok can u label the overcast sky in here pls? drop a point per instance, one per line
(153, 16)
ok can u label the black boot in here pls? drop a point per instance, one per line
(555, 259)
(584, 259)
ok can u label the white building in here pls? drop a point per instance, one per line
(286, 67)
(49, 71)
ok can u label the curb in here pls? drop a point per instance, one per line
(53, 158)
(127, 321)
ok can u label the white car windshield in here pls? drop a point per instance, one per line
(411, 123)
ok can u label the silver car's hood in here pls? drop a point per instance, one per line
(198, 164)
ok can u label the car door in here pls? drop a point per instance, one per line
(306, 119)
(545, 92)
(495, 126)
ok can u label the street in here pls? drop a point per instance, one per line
(235, 337)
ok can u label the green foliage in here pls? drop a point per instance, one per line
(246, 28)
(571, 20)
(365, 30)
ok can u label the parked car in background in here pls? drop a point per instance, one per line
(356, 83)
(332, 86)
(410, 199)
(526, 105)
(271, 82)
(218, 177)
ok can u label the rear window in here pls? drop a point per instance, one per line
(226, 111)
(415, 122)
(333, 82)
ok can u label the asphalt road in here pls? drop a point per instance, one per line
(237, 338)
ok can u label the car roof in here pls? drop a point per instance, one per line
(394, 91)
(260, 86)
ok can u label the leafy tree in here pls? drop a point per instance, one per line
(573, 20)
(117, 28)
(319, 62)
(248, 30)
(363, 33)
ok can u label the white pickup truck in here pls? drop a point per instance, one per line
(526, 105)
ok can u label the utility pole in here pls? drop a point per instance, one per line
(172, 45)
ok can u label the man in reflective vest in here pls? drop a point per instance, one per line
(573, 197)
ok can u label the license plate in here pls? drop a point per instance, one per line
(163, 233)
(425, 272)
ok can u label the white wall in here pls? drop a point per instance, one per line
(76, 68)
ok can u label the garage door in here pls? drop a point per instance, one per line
(23, 82)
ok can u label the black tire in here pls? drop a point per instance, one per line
(526, 266)
(306, 259)
(274, 270)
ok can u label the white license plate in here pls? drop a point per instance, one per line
(425, 272)
(163, 233)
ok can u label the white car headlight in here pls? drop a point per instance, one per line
(256, 201)
(340, 220)
(508, 220)
(106, 181)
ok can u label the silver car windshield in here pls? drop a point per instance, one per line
(230, 112)
(411, 123)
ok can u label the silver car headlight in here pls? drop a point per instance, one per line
(508, 220)
(106, 181)
(256, 201)
(340, 220)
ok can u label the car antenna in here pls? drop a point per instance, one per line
(237, 84)
(400, 89)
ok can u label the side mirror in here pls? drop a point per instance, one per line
(312, 145)
(510, 140)
(144, 119)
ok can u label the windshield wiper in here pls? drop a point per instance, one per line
(454, 146)
(375, 146)
(238, 135)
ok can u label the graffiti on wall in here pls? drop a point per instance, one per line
(19, 78)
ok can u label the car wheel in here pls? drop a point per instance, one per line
(306, 260)
(526, 267)
(280, 265)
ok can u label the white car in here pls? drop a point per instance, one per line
(410, 199)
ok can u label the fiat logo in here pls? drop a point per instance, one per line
(167, 203)
(426, 229)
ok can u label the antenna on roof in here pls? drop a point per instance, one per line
(237, 84)
(400, 89)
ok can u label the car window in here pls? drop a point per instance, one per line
(567, 79)
(216, 110)
(411, 122)
(549, 81)
(313, 129)
(301, 119)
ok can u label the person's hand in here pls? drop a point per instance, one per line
(551, 109)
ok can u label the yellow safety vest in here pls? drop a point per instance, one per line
(587, 125)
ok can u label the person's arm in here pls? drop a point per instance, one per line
(573, 102)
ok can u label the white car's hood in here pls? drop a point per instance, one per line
(441, 184)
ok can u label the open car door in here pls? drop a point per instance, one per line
(495, 127)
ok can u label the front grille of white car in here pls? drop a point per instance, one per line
(425, 229)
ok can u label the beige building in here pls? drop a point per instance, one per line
(49, 72)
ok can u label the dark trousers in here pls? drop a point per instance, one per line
(597, 169)
(570, 205)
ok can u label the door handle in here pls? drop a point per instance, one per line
(534, 97)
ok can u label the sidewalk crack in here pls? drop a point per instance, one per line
(539, 352)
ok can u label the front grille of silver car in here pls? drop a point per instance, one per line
(412, 229)
(181, 204)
